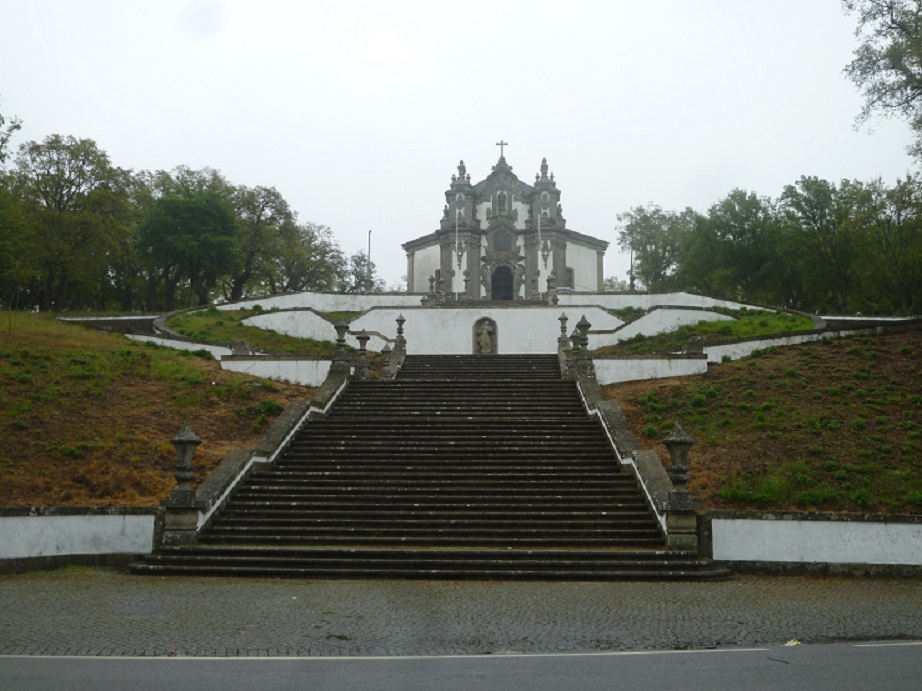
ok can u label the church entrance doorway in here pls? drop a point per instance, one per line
(502, 284)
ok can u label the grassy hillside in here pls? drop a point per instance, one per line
(828, 426)
(86, 417)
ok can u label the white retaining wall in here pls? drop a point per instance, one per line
(326, 302)
(304, 372)
(217, 351)
(336, 302)
(835, 542)
(300, 323)
(56, 536)
(655, 322)
(645, 300)
(640, 369)
(451, 330)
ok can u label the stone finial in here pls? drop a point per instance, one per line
(563, 324)
(362, 366)
(386, 355)
(679, 443)
(185, 443)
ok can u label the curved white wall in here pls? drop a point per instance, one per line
(655, 322)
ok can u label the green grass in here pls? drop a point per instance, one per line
(216, 326)
(746, 324)
(787, 429)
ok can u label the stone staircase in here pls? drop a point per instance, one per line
(481, 467)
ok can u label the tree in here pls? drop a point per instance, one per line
(307, 257)
(361, 276)
(891, 273)
(189, 237)
(654, 237)
(7, 130)
(887, 66)
(821, 218)
(742, 225)
(261, 213)
(75, 207)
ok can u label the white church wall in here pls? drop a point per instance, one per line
(425, 263)
(584, 262)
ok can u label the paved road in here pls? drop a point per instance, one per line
(838, 667)
(107, 612)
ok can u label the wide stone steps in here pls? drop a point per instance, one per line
(480, 467)
(247, 498)
(410, 563)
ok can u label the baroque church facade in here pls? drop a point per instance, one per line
(501, 239)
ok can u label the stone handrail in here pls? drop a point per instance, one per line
(677, 520)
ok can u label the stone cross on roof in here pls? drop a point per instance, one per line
(501, 144)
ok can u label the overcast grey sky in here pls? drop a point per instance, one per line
(358, 112)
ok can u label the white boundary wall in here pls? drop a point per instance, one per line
(217, 351)
(640, 369)
(55, 536)
(326, 302)
(835, 542)
(645, 300)
(337, 302)
(304, 372)
(656, 322)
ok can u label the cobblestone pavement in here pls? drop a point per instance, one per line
(108, 612)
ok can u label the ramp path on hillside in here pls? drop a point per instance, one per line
(463, 467)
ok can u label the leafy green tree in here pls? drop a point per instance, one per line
(821, 217)
(75, 208)
(891, 270)
(887, 66)
(261, 214)
(654, 237)
(742, 225)
(7, 130)
(190, 238)
(361, 276)
(307, 257)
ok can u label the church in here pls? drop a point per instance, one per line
(501, 239)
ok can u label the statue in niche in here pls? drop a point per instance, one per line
(485, 338)
(501, 203)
